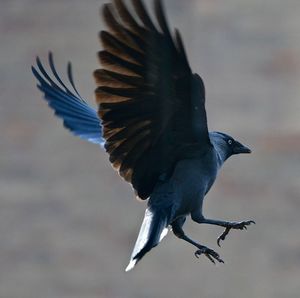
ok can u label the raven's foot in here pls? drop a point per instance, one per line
(234, 225)
(209, 253)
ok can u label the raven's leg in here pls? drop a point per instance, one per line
(178, 232)
(228, 225)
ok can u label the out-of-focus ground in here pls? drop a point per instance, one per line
(67, 221)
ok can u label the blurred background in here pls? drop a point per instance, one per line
(68, 223)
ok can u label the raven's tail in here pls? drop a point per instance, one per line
(153, 230)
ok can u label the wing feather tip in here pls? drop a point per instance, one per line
(33, 70)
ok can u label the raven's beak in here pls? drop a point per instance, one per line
(240, 148)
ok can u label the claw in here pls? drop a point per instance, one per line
(235, 225)
(210, 258)
(223, 236)
(210, 254)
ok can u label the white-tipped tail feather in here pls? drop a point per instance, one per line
(131, 265)
(153, 230)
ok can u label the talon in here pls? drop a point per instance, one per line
(223, 236)
(219, 239)
(243, 225)
(210, 254)
(234, 225)
(210, 258)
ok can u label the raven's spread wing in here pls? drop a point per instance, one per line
(77, 115)
(150, 103)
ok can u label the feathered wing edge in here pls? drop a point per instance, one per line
(81, 119)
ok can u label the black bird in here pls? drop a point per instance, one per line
(151, 121)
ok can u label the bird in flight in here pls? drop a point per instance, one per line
(151, 120)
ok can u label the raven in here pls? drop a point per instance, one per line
(151, 120)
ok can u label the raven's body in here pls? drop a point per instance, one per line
(180, 197)
(151, 120)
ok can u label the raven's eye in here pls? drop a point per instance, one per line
(230, 142)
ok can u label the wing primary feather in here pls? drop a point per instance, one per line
(114, 25)
(113, 61)
(127, 18)
(115, 46)
(123, 92)
(141, 104)
(161, 18)
(110, 20)
(126, 145)
(104, 77)
(121, 118)
(124, 122)
(71, 79)
(130, 108)
(137, 40)
(57, 94)
(143, 15)
(181, 49)
(61, 99)
(128, 132)
(53, 69)
(44, 73)
(102, 97)
(132, 157)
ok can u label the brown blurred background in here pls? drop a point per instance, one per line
(67, 221)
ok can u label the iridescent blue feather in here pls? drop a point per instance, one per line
(81, 119)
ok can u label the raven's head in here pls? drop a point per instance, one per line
(227, 145)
